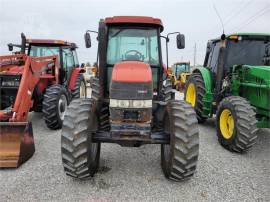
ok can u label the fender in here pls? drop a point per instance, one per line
(208, 96)
(74, 75)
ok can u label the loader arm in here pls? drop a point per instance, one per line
(34, 70)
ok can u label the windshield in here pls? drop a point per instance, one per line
(250, 52)
(180, 68)
(126, 44)
(40, 51)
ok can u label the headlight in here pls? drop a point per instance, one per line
(148, 103)
(113, 103)
(124, 103)
(131, 103)
(10, 81)
(138, 103)
(7, 83)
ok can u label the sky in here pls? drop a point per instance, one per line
(69, 19)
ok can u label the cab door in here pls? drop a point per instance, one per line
(68, 61)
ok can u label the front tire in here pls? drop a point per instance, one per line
(236, 124)
(54, 106)
(194, 92)
(179, 158)
(80, 156)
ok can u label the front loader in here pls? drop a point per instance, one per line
(132, 102)
(234, 85)
(36, 78)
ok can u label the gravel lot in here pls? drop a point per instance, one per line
(134, 174)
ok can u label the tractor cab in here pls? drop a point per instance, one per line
(180, 67)
(131, 39)
(140, 44)
(180, 73)
(241, 48)
(65, 51)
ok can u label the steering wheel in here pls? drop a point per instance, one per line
(137, 55)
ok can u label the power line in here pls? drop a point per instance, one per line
(258, 14)
(253, 20)
(238, 12)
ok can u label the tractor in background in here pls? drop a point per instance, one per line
(43, 76)
(180, 74)
(130, 105)
(234, 84)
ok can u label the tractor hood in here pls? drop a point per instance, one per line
(131, 80)
(12, 64)
(11, 70)
(132, 72)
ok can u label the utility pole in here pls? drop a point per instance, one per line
(195, 52)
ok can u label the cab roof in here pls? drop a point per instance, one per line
(50, 42)
(244, 34)
(248, 34)
(135, 20)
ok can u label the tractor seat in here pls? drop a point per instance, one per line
(133, 58)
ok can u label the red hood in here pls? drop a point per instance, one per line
(11, 69)
(9, 64)
(132, 71)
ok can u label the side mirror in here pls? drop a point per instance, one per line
(10, 47)
(87, 39)
(23, 45)
(180, 40)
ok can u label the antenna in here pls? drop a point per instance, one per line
(219, 17)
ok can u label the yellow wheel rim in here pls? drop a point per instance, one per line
(191, 94)
(226, 124)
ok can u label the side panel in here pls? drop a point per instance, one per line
(208, 97)
(253, 83)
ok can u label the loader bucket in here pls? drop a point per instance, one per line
(16, 143)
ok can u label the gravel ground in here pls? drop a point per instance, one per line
(134, 174)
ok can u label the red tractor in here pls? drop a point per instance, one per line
(131, 103)
(44, 76)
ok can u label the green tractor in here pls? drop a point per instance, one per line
(234, 84)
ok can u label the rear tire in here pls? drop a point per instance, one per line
(80, 90)
(54, 106)
(236, 124)
(80, 156)
(196, 80)
(179, 158)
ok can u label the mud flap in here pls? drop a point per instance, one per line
(16, 143)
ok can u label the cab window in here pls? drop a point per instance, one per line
(68, 59)
(212, 63)
(41, 51)
(76, 61)
(133, 44)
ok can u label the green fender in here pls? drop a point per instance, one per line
(208, 96)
